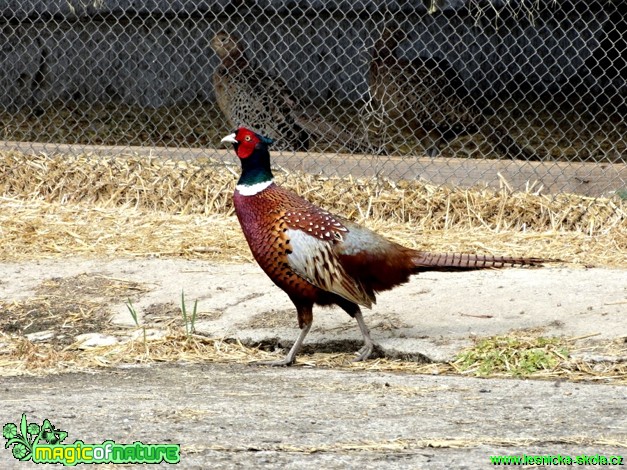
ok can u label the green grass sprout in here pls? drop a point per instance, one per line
(189, 322)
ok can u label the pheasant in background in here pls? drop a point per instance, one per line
(429, 95)
(250, 97)
(319, 258)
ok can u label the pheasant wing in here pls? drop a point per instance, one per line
(314, 237)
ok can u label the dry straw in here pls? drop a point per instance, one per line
(20, 356)
(60, 205)
(133, 205)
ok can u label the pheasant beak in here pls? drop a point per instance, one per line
(229, 139)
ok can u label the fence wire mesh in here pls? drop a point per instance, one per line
(450, 90)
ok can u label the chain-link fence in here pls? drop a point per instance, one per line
(451, 91)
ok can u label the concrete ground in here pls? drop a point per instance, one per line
(237, 416)
(228, 417)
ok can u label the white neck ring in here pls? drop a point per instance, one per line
(251, 190)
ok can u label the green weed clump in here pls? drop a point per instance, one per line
(512, 356)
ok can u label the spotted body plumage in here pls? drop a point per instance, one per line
(263, 221)
(297, 244)
(250, 97)
(428, 95)
(319, 258)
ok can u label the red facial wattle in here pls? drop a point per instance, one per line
(246, 143)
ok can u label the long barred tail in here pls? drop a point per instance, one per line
(461, 261)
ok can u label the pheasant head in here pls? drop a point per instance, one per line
(385, 47)
(228, 49)
(253, 154)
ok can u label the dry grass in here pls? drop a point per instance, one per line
(557, 135)
(20, 356)
(37, 229)
(61, 206)
(197, 124)
(66, 307)
(136, 206)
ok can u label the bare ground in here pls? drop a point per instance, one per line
(252, 417)
(233, 416)
(430, 318)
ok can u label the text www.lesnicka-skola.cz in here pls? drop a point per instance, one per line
(557, 459)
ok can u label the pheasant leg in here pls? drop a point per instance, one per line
(291, 356)
(367, 348)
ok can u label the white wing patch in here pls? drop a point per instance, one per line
(314, 259)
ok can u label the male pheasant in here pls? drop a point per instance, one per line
(319, 258)
(429, 95)
(250, 97)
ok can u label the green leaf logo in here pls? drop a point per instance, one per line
(33, 429)
(50, 434)
(20, 451)
(25, 436)
(9, 431)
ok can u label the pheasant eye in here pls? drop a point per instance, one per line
(247, 138)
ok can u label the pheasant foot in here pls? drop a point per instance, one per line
(290, 358)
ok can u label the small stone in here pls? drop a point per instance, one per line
(40, 336)
(95, 340)
(152, 334)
